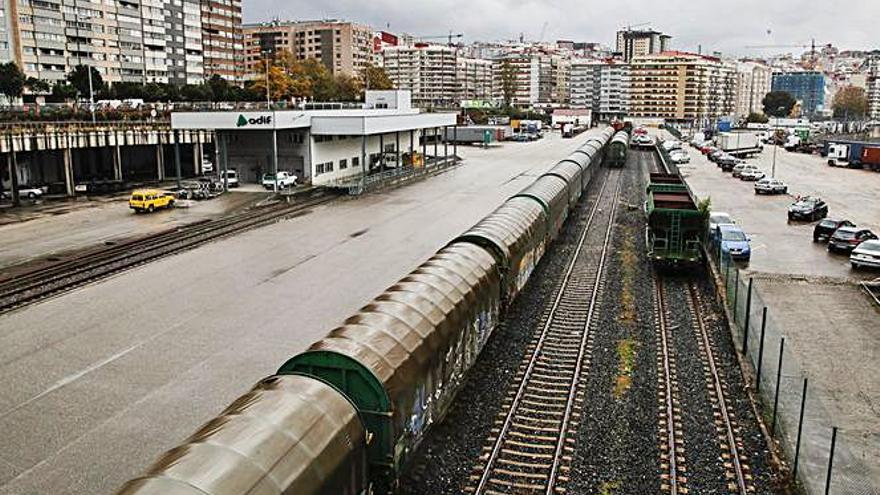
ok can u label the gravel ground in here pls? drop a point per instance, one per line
(447, 456)
(617, 443)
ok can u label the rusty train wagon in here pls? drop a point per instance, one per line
(344, 416)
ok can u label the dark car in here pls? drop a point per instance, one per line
(808, 208)
(715, 155)
(728, 162)
(825, 229)
(846, 239)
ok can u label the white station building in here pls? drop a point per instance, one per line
(323, 146)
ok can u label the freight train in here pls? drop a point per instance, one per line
(615, 155)
(675, 223)
(345, 416)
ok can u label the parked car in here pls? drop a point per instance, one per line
(24, 192)
(715, 155)
(520, 138)
(847, 238)
(751, 173)
(232, 178)
(679, 157)
(767, 185)
(728, 162)
(707, 149)
(866, 254)
(715, 219)
(734, 242)
(285, 179)
(807, 208)
(825, 229)
(671, 145)
(150, 200)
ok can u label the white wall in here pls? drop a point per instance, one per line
(349, 147)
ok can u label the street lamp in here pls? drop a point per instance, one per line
(775, 144)
(79, 16)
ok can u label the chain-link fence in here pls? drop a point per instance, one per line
(824, 458)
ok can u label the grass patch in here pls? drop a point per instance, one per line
(626, 357)
(609, 487)
(629, 260)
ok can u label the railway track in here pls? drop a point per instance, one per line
(737, 475)
(530, 449)
(57, 278)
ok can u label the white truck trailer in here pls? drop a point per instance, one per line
(739, 143)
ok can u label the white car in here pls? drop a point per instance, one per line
(717, 218)
(679, 157)
(866, 254)
(671, 145)
(284, 179)
(24, 192)
(770, 186)
(231, 178)
(751, 172)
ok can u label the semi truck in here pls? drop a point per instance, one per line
(853, 154)
(739, 143)
(478, 134)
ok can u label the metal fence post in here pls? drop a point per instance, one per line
(748, 314)
(797, 445)
(761, 349)
(830, 460)
(776, 394)
(735, 294)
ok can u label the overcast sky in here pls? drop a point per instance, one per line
(726, 26)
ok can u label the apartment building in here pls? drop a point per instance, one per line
(222, 38)
(634, 43)
(753, 82)
(343, 47)
(475, 77)
(872, 66)
(164, 41)
(584, 83)
(539, 78)
(680, 86)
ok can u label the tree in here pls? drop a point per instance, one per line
(279, 83)
(756, 117)
(196, 92)
(850, 102)
(12, 81)
(62, 91)
(38, 86)
(79, 79)
(220, 88)
(778, 103)
(508, 82)
(376, 78)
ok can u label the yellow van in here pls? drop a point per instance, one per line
(150, 200)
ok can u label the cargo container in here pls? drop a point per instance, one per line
(853, 154)
(739, 143)
(484, 134)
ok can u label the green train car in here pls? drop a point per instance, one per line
(615, 154)
(675, 223)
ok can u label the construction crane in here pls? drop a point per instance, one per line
(447, 36)
(629, 28)
(811, 46)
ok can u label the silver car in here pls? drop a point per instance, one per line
(751, 172)
(867, 254)
(770, 186)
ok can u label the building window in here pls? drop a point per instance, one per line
(356, 162)
(343, 164)
(323, 168)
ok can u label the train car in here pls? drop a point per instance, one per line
(516, 234)
(289, 434)
(616, 151)
(550, 191)
(675, 224)
(402, 358)
(571, 170)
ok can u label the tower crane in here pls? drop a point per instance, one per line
(448, 36)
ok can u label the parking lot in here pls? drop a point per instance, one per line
(780, 246)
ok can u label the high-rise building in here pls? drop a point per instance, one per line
(140, 41)
(584, 85)
(807, 87)
(539, 78)
(614, 90)
(634, 43)
(222, 39)
(753, 82)
(343, 47)
(872, 69)
(428, 71)
(475, 76)
(681, 86)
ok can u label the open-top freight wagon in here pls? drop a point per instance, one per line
(675, 223)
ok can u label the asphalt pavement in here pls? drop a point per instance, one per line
(98, 382)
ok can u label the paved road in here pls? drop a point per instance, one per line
(87, 226)
(779, 246)
(98, 382)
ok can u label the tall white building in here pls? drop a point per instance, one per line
(437, 75)
(872, 65)
(539, 79)
(614, 90)
(634, 43)
(584, 85)
(753, 81)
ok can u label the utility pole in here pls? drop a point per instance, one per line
(268, 95)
